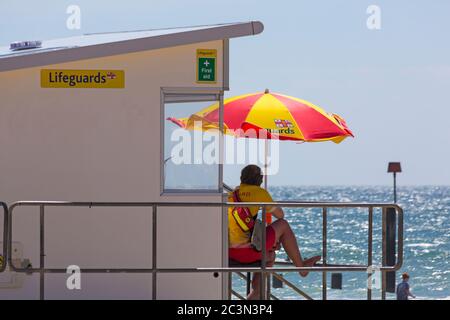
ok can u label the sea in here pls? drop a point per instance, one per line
(426, 240)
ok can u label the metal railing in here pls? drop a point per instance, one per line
(154, 270)
(265, 285)
(4, 253)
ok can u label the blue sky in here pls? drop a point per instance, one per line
(391, 85)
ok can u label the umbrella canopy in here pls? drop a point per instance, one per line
(272, 116)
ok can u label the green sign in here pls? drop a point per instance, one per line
(206, 65)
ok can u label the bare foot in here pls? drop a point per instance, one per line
(309, 263)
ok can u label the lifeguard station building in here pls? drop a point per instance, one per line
(84, 119)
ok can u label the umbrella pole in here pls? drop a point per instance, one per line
(266, 151)
(265, 284)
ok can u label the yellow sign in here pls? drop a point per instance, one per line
(206, 65)
(99, 79)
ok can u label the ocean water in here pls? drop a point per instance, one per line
(426, 239)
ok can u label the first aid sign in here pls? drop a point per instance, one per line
(206, 65)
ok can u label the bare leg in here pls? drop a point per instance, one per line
(256, 285)
(256, 281)
(284, 234)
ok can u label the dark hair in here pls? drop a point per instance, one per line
(405, 276)
(251, 174)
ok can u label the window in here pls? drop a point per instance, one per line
(191, 158)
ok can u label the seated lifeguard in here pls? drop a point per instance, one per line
(240, 226)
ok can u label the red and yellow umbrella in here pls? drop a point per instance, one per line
(277, 115)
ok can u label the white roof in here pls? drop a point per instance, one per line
(107, 44)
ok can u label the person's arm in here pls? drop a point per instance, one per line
(277, 212)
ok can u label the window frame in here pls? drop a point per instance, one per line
(193, 94)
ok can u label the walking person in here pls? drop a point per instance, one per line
(403, 291)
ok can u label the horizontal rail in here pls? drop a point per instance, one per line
(5, 237)
(208, 204)
(238, 270)
(207, 269)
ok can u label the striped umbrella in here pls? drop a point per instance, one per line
(267, 115)
(271, 116)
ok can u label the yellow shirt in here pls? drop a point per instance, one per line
(247, 193)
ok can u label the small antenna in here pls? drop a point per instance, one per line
(23, 45)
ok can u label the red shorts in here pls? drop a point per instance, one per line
(250, 255)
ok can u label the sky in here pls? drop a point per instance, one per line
(392, 85)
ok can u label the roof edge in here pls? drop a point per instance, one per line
(258, 27)
(129, 46)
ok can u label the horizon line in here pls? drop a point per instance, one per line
(359, 185)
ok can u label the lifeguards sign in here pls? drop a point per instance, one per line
(100, 79)
(206, 65)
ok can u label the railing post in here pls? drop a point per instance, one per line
(400, 235)
(264, 256)
(42, 253)
(9, 258)
(5, 236)
(383, 254)
(391, 221)
(230, 285)
(324, 252)
(154, 246)
(266, 276)
(369, 253)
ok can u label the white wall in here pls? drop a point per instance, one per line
(104, 145)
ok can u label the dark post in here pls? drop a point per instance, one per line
(394, 167)
(391, 219)
(336, 281)
(395, 187)
(390, 236)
